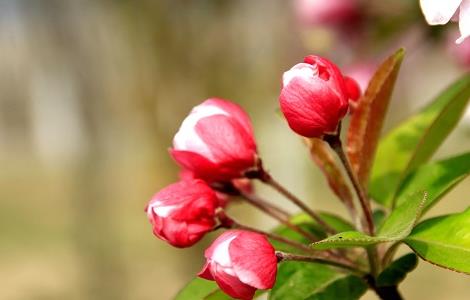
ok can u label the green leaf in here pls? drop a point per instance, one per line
(414, 141)
(369, 115)
(397, 270)
(396, 227)
(378, 216)
(201, 289)
(347, 239)
(437, 178)
(444, 241)
(347, 288)
(299, 281)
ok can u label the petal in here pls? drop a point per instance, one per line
(233, 110)
(464, 21)
(186, 139)
(227, 235)
(311, 107)
(231, 145)
(254, 260)
(439, 12)
(231, 285)
(199, 165)
(303, 70)
(206, 272)
(331, 73)
(353, 88)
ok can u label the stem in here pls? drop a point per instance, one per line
(260, 204)
(265, 177)
(282, 256)
(335, 143)
(273, 207)
(275, 237)
(373, 261)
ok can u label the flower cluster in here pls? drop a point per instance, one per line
(216, 149)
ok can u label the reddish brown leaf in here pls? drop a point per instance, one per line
(368, 117)
(322, 155)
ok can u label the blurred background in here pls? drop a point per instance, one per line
(92, 92)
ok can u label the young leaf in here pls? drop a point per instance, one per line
(444, 241)
(348, 239)
(437, 178)
(299, 281)
(368, 117)
(199, 289)
(395, 228)
(347, 288)
(414, 141)
(322, 156)
(397, 270)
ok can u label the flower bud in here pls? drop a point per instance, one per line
(314, 97)
(241, 262)
(183, 212)
(216, 141)
(352, 88)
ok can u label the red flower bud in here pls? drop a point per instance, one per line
(314, 97)
(353, 89)
(215, 141)
(241, 262)
(183, 212)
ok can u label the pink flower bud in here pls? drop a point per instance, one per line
(241, 262)
(216, 141)
(183, 212)
(314, 97)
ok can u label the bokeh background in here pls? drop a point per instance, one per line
(91, 93)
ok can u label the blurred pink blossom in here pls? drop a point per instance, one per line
(439, 12)
(460, 53)
(326, 12)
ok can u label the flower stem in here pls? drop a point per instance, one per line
(282, 256)
(260, 204)
(227, 222)
(266, 178)
(335, 143)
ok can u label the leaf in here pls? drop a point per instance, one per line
(444, 241)
(414, 141)
(298, 281)
(397, 270)
(323, 157)
(348, 239)
(378, 216)
(199, 289)
(368, 117)
(437, 178)
(347, 288)
(396, 227)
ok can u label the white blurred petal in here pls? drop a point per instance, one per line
(439, 12)
(464, 21)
